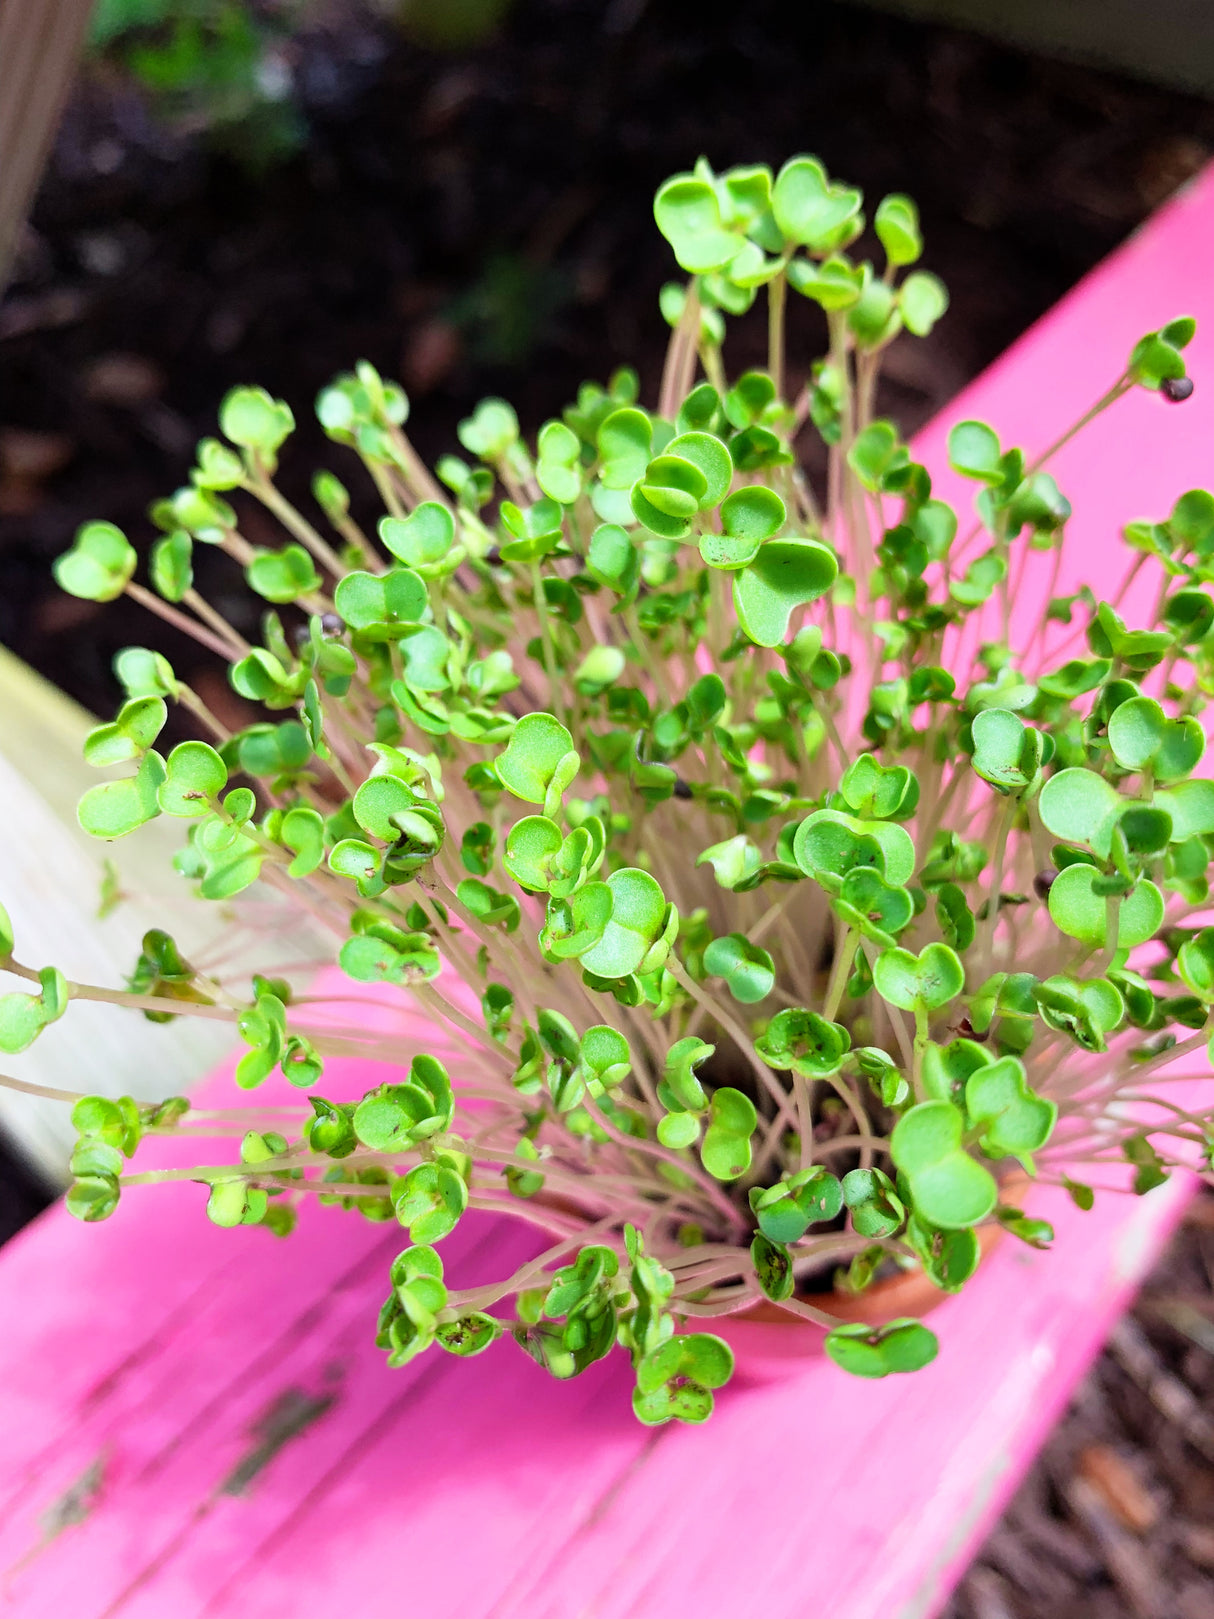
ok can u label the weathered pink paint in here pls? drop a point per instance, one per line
(137, 1358)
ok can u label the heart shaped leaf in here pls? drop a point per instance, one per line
(866, 901)
(675, 1381)
(785, 575)
(429, 1200)
(867, 1351)
(876, 1209)
(138, 724)
(530, 847)
(1143, 738)
(99, 565)
(424, 541)
(195, 775)
(1082, 912)
(1007, 753)
(805, 1042)
(949, 1258)
(688, 214)
(879, 792)
(1079, 806)
(725, 1152)
(828, 844)
(251, 418)
(625, 441)
(637, 921)
(925, 982)
(280, 576)
(786, 1210)
(808, 209)
(1087, 1010)
(376, 602)
(115, 808)
(575, 925)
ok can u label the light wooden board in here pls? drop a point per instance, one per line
(50, 883)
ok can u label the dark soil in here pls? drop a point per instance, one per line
(479, 223)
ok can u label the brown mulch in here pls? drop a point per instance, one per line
(1116, 1518)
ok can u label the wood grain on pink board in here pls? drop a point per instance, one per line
(155, 1261)
(195, 1422)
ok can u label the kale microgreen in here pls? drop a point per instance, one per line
(789, 915)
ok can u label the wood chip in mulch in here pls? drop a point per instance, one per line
(1116, 1519)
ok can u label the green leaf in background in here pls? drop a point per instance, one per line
(254, 420)
(896, 223)
(973, 449)
(283, 576)
(923, 299)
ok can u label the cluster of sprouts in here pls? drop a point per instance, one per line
(755, 905)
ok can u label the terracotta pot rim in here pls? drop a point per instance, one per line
(912, 1293)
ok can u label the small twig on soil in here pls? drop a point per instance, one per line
(1173, 1398)
(1127, 1559)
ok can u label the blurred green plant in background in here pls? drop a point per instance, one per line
(226, 68)
(503, 314)
(216, 67)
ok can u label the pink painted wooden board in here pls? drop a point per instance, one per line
(138, 1359)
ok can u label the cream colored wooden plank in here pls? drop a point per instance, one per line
(50, 882)
(42, 734)
(50, 887)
